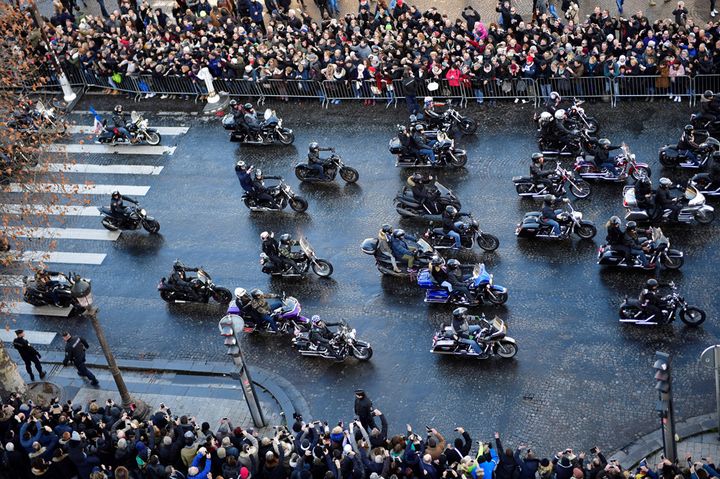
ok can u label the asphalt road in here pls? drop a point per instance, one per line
(579, 379)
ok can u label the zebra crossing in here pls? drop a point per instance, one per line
(74, 245)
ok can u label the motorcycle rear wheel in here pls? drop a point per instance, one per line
(468, 126)
(166, 295)
(581, 189)
(322, 268)
(692, 316)
(108, 225)
(629, 312)
(152, 138)
(522, 188)
(301, 173)
(349, 175)
(705, 218)
(298, 203)
(363, 353)
(222, 295)
(507, 350)
(488, 242)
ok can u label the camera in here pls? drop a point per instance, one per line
(297, 417)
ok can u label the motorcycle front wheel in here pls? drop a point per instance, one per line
(298, 203)
(459, 160)
(641, 172)
(467, 126)
(705, 217)
(322, 268)
(507, 350)
(593, 126)
(166, 295)
(362, 353)
(286, 137)
(222, 295)
(108, 224)
(672, 262)
(488, 242)
(496, 298)
(580, 188)
(586, 231)
(692, 316)
(349, 175)
(152, 138)
(34, 300)
(151, 226)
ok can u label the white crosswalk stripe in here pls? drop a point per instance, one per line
(11, 280)
(100, 169)
(62, 233)
(128, 190)
(60, 257)
(117, 149)
(55, 210)
(25, 308)
(163, 130)
(33, 337)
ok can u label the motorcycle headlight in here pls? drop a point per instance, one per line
(143, 212)
(352, 334)
(577, 215)
(280, 122)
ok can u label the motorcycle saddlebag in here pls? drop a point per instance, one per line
(395, 146)
(369, 245)
(425, 280)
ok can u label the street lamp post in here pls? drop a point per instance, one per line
(82, 291)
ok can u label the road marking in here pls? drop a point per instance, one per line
(25, 308)
(62, 233)
(62, 257)
(129, 190)
(59, 210)
(33, 337)
(101, 169)
(11, 280)
(163, 130)
(119, 149)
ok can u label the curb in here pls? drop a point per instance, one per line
(646, 445)
(288, 398)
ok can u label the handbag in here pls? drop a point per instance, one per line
(116, 77)
(521, 86)
(433, 85)
(375, 90)
(506, 86)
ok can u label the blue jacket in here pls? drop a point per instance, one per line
(489, 465)
(202, 474)
(256, 12)
(245, 180)
(27, 443)
(400, 247)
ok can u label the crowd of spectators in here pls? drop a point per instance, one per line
(100, 441)
(383, 42)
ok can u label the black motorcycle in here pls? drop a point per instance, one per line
(525, 186)
(134, 218)
(342, 345)
(387, 265)
(632, 311)
(271, 130)
(307, 260)
(450, 121)
(657, 249)
(670, 156)
(490, 336)
(552, 146)
(570, 220)
(581, 121)
(703, 124)
(33, 294)
(137, 128)
(446, 155)
(470, 235)
(408, 207)
(333, 166)
(282, 195)
(202, 286)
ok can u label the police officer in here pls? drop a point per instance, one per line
(28, 354)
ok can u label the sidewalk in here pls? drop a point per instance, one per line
(208, 391)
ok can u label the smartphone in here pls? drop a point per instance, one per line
(593, 450)
(427, 427)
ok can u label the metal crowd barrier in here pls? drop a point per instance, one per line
(651, 87)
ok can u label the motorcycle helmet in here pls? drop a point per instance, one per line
(240, 165)
(285, 238)
(240, 292)
(549, 198)
(614, 220)
(428, 101)
(177, 265)
(256, 293)
(419, 127)
(453, 263)
(248, 106)
(436, 261)
(555, 96)
(315, 320)
(399, 233)
(451, 210)
(413, 119)
(560, 114)
(233, 102)
(459, 312)
(314, 147)
(652, 283)
(545, 116)
(536, 157)
(115, 195)
(264, 235)
(689, 128)
(665, 182)
(604, 142)
(631, 225)
(417, 178)
(401, 129)
(386, 228)
(258, 174)
(708, 95)
(118, 109)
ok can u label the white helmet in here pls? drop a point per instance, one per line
(560, 114)
(554, 96)
(240, 292)
(545, 116)
(428, 100)
(264, 235)
(665, 182)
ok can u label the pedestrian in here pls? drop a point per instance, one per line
(75, 348)
(28, 354)
(364, 409)
(410, 86)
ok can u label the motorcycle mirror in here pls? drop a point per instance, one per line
(566, 200)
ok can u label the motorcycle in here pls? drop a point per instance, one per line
(491, 336)
(632, 311)
(137, 129)
(693, 208)
(625, 162)
(670, 156)
(384, 260)
(525, 186)
(702, 124)
(32, 294)
(446, 155)
(408, 207)
(704, 184)
(571, 221)
(40, 120)
(343, 344)
(657, 250)
(552, 146)
(283, 196)
(333, 166)
(482, 288)
(450, 120)
(285, 310)
(581, 121)
(308, 260)
(203, 287)
(134, 218)
(271, 130)
(470, 234)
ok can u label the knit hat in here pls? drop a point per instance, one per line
(167, 441)
(75, 436)
(578, 473)
(244, 473)
(189, 435)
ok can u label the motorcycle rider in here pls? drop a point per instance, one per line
(260, 309)
(615, 235)
(315, 163)
(708, 108)
(438, 272)
(117, 207)
(422, 145)
(271, 248)
(45, 284)
(384, 239)
(601, 152)
(644, 194)
(635, 245)
(244, 175)
(401, 250)
(563, 133)
(405, 138)
(457, 280)
(540, 176)
(461, 329)
(433, 116)
(553, 103)
(252, 122)
(651, 301)
(181, 282)
(320, 335)
(687, 146)
(242, 301)
(120, 123)
(427, 197)
(286, 244)
(260, 191)
(548, 215)
(546, 124)
(712, 177)
(449, 225)
(664, 200)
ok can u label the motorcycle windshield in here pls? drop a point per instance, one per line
(291, 307)
(442, 190)
(480, 275)
(306, 248)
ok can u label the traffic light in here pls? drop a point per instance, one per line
(662, 380)
(228, 327)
